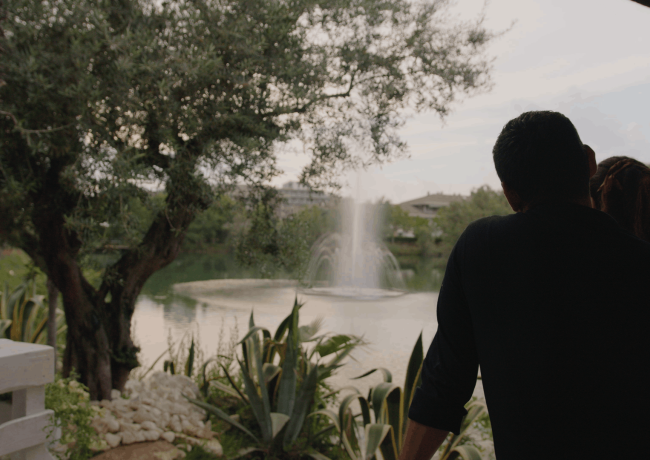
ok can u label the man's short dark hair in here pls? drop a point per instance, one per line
(540, 156)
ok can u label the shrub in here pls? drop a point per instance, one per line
(281, 392)
(73, 414)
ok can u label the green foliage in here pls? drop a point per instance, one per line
(23, 315)
(73, 414)
(189, 364)
(181, 356)
(273, 244)
(197, 452)
(16, 267)
(454, 219)
(280, 382)
(213, 227)
(476, 413)
(389, 404)
(227, 82)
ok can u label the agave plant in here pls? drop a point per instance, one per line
(280, 378)
(23, 317)
(389, 404)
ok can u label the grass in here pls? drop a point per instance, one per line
(15, 267)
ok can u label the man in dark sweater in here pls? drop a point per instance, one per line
(553, 304)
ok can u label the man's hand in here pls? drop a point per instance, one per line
(421, 442)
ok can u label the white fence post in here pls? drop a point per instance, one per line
(25, 368)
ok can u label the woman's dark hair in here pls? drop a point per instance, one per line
(621, 188)
(540, 156)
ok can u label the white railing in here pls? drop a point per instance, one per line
(25, 368)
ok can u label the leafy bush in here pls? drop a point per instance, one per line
(73, 413)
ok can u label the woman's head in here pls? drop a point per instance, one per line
(621, 188)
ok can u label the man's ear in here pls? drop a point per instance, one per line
(516, 203)
(591, 158)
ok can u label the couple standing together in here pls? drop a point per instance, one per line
(553, 304)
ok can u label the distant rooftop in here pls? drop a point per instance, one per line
(428, 205)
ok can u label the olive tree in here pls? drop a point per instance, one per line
(107, 100)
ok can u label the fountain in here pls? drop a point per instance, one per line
(354, 263)
(354, 286)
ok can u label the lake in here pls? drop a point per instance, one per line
(210, 301)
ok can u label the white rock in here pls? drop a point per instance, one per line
(134, 403)
(133, 385)
(147, 425)
(120, 404)
(100, 425)
(214, 446)
(181, 409)
(188, 383)
(163, 422)
(151, 435)
(142, 415)
(113, 425)
(115, 394)
(128, 437)
(166, 406)
(168, 436)
(175, 424)
(106, 403)
(189, 428)
(129, 427)
(113, 440)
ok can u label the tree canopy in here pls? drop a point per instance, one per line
(105, 101)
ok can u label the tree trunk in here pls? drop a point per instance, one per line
(99, 345)
(159, 247)
(87, 344)
(52, 300)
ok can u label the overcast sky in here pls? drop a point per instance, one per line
(589, 59)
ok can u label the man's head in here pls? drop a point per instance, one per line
(539, 158)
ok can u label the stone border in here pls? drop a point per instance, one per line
(155, 409)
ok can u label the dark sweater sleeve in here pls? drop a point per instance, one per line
(451, 365)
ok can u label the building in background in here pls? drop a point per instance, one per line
(428, 206)
(294, 197)
(297, 196)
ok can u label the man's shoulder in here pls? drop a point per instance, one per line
(491, 222)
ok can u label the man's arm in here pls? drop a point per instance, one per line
(421, 441)
(449, 369)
